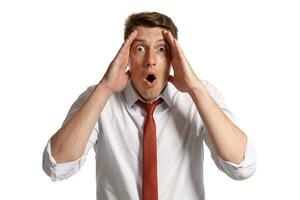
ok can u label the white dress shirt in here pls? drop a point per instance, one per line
(117, 141)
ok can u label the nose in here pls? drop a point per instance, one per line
(150, 59)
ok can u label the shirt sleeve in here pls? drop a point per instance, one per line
(240, 171)
(63, 171)
(247, 166)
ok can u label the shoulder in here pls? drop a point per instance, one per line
(185, 101)
(89, 90)
(211, 88)
(86, 93)
(215, 93)
(113, 100)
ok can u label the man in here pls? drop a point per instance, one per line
(142, 154)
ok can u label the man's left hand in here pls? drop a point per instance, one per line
(184, 79)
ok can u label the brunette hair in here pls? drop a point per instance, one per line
(151, 20)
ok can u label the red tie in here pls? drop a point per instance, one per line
(149, 187)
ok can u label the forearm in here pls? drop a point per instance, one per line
(228, 140)
(69, 142)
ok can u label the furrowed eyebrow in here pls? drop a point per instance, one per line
(143, 41)
(137, 40)
(162, 41)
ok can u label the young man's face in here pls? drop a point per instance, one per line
(150, 58)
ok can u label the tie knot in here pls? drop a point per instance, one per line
(149, 107)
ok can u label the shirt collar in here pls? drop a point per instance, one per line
(131, 96)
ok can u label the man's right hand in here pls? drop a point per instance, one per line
(116, 77)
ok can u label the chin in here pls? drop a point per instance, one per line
(151, 95)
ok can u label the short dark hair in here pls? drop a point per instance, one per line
(149, 19)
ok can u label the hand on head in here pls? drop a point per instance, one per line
(116, 76)
(184, 78)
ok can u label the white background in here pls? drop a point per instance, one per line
(51, 51)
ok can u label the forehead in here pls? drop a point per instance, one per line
(149, 34)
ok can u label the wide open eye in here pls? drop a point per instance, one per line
(140, 48)
(162, 49)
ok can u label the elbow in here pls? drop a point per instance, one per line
(242, 173)
(47, 168)
(48, 165)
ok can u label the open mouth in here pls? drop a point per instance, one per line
(151, 78)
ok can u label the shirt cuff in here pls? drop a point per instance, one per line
(244, 169)
(60, 171)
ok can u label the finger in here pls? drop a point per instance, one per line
(124, 50)
(178, 49)
(130, 39)
(169, 38)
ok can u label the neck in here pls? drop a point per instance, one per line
(143, 98)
